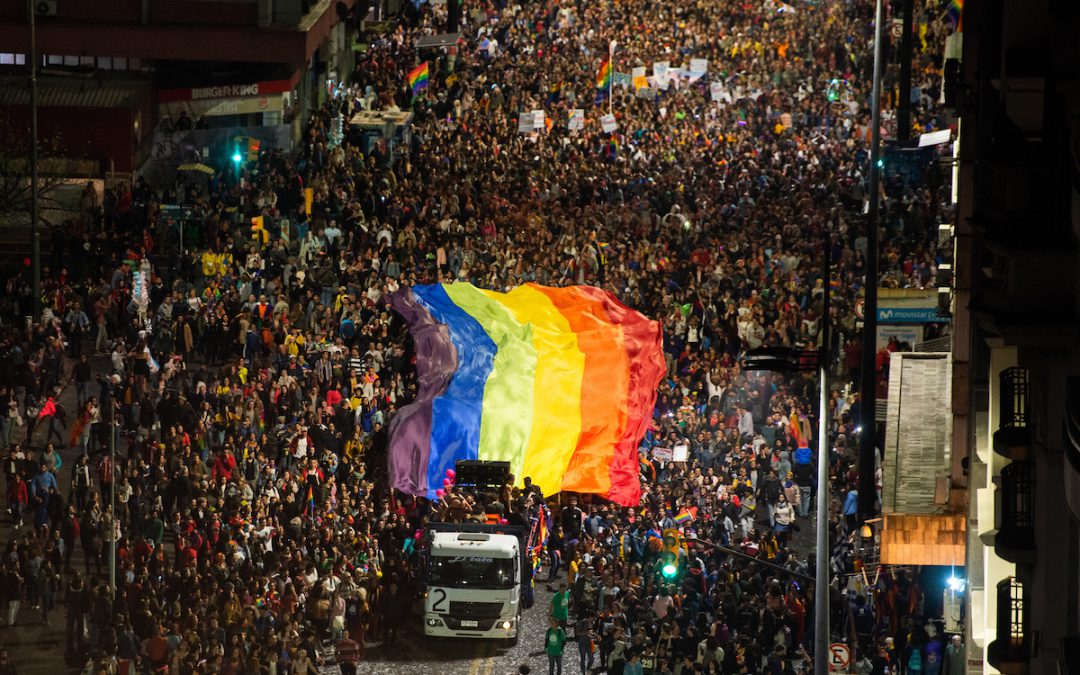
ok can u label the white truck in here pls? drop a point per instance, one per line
(478, 580)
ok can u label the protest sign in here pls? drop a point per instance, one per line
(577, 119)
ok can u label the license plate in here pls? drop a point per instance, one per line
(465, 623)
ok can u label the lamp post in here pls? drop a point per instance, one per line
(868, 376)
(790, 360)
(35, 238)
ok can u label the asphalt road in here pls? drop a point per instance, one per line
(416, 653)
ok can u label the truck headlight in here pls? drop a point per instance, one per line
(433, 621)
(507, 625)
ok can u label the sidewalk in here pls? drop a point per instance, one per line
(37, 649)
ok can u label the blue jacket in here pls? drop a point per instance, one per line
(851, 503)
(39, 486)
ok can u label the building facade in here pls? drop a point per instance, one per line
(113, 73)
(1016, 339)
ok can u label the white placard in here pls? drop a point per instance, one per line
(662, 454)
(538, 119)
(699, 65)
(660, 73)
(577, 119)
(608, 124)
(716, 91)
(680, 453)
(525, 123)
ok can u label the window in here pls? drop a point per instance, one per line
(12, 59)
(471, 572)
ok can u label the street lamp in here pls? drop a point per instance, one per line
(795, 360)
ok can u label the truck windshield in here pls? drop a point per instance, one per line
(471, 572)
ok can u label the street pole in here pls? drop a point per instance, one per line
(821, 584)
(112, 496)
(868, 388)
(35, 240)
(611, 80)
(903, 118)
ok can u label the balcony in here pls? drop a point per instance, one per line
(1013, 437)
(1015, 540)
(1010, 652)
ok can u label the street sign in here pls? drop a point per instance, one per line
(839, 657)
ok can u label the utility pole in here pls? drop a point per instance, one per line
(903, 119)
(112, 496)
(822, 637)
(868, 388)
(35, 239)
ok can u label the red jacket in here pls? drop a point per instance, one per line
(17, 492)
(224, 466)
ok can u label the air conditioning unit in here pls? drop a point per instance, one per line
(45, 8)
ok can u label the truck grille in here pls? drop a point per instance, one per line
(475, 610)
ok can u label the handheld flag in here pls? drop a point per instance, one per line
(685, 516)
(603, 76)
(955, 11)
(418, 78)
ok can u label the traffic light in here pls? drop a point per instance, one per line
(669, 554)
(253, 146)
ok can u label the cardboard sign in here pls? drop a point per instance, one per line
(538, 119)
(638, 77)
(716, 92)
(662, 454)
(647, 93)
(680, 453)
(608, 124)
(699, 65)
(577, 119)
(660, 73)
(525, 123)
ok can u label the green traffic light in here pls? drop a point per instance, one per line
(669, 571)
(237, 157)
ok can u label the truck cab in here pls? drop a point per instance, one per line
(473, 584)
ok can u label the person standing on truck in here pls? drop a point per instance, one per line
(560, 605)
(554, 641)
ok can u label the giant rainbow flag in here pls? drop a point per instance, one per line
(560, 382)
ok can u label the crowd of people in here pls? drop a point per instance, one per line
(247, 384)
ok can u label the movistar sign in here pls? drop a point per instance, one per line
(909, 315)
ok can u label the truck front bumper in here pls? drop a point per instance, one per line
(444, 625)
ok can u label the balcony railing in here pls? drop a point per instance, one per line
(1011, 651)
(1013, 436)
(1015, 540)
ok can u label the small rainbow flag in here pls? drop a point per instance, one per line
(603, 77)
(541, 532)
(955, 12)
(418, 78)
(686, 516)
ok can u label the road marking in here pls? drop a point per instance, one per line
(482, 652)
